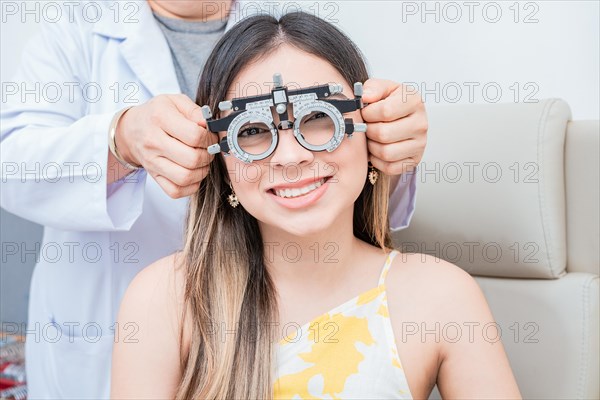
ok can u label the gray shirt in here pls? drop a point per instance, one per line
(191, 42)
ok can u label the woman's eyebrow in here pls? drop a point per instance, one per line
(338, 96)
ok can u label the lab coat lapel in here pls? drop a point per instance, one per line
(149, 56)
(146, 51)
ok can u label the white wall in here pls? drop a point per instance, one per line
(557, 56)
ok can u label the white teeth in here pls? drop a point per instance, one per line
(299, 191)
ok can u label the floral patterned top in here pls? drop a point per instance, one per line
(348, 352)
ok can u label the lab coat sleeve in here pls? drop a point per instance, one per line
(54, 153)
(402, 201)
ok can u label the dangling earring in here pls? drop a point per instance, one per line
(373, 174)
(232, 198)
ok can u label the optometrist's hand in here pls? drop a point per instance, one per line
(167, 136)
(397, 126)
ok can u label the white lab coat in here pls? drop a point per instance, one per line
(96, 238)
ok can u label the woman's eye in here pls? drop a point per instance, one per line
(250, 131)
(317, 115)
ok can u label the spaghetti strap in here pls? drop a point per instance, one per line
(386, 266)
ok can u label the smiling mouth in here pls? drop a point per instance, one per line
(298, 192)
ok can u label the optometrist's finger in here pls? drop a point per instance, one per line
(141, 127)
(393, 168)
(398, 151)
(188, 108)
(173, 190)
(162, 112)
(391, 132)
(187, 131)
(156, 143)
(184, 155)
(176, 173)
(178, 116)
(388, 101)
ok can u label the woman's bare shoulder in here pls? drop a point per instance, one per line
(155, 296)
(454, 318)
(434, 293)
(168, 277)
(160, 285)
(429, 278)
(146, 353)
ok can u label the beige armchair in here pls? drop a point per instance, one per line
(510, 193)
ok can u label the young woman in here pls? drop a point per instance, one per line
(296, 292)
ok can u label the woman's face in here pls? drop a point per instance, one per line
(333, 180)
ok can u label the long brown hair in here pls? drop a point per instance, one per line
(228, 291)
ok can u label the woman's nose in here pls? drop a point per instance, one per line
(289, 150)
